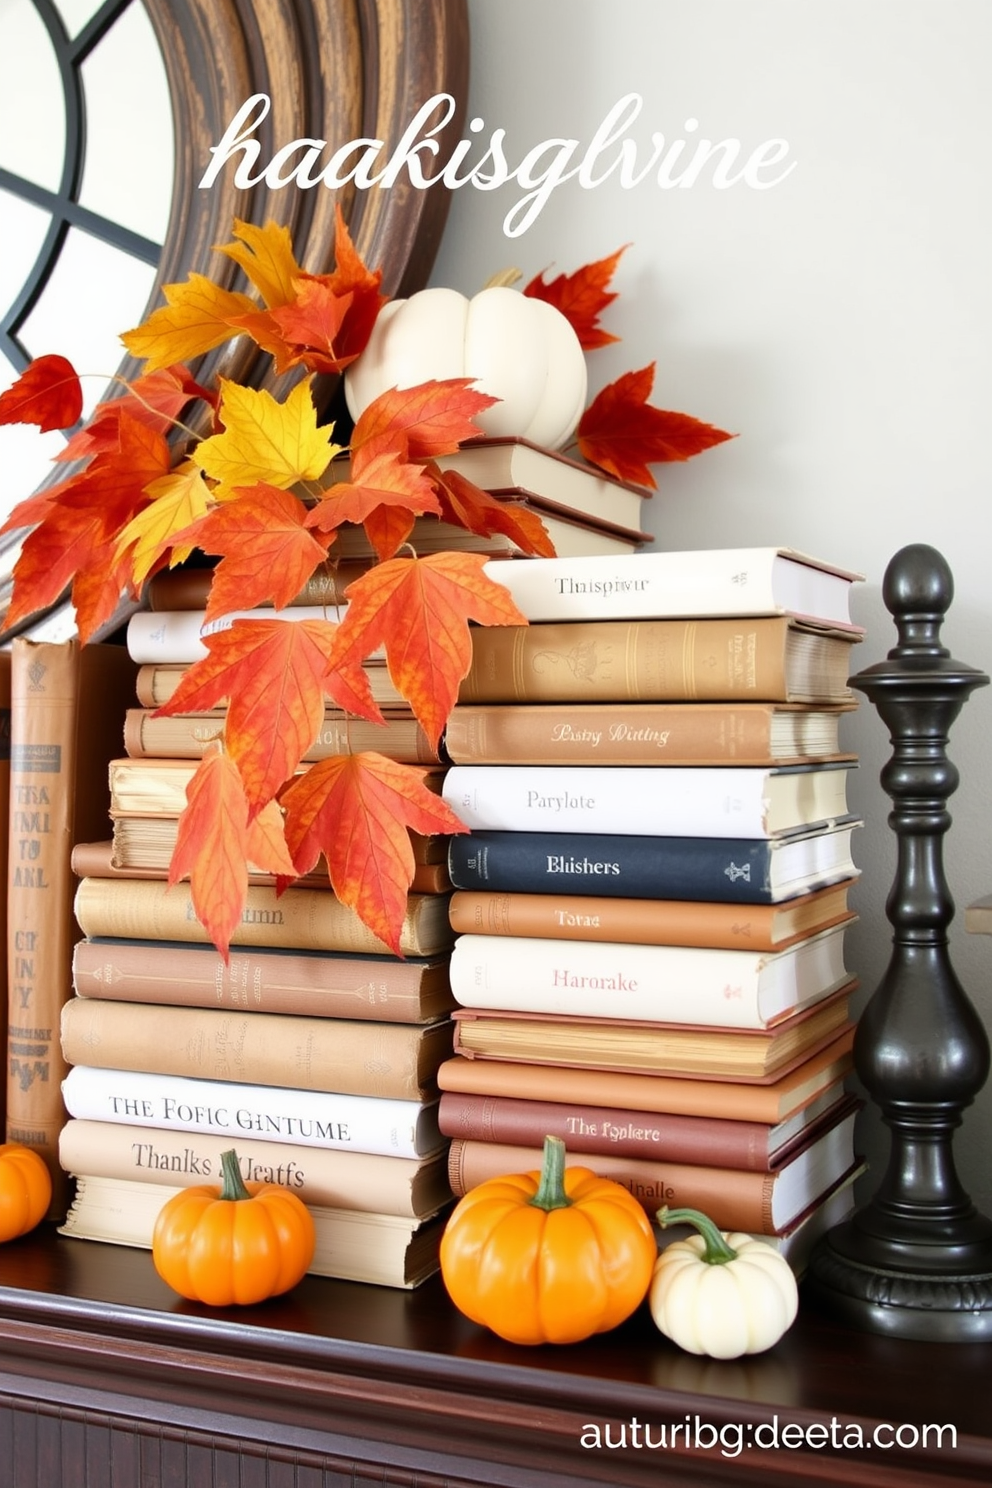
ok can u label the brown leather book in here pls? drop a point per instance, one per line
(264, 980)
(759, 1203)
(642, 734)
(773, 659)
(351, 1056)
(678, 922)
(186, 736)
(67, 710)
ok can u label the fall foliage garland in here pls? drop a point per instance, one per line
(252, 493)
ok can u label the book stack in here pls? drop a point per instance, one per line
(312, 1050)
(652, 905)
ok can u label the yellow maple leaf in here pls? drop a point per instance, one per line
(266, 256)
(177, 499)
(195, 319)
(263, 440)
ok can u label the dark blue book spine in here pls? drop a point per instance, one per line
(729, 871)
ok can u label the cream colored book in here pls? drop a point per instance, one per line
(384, 1249)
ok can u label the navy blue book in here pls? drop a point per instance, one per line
(719, 869)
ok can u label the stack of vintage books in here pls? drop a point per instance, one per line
(312, 1050)
(652, 906)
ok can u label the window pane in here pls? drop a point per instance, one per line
(129, 146)
(75, 13)
(31, 95)
(23, 228)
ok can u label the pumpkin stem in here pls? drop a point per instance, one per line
(232, 1185)
(551, 1188)
(717, 1251)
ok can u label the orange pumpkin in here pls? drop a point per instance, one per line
(25, 1190)
(548, 1257)
(236, 1244)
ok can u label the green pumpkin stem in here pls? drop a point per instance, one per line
(232, 1185)
(551, 1188)
(717, 1251)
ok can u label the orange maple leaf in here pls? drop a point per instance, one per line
(212, 846)
(267, 847)
(357, 811)
(622, 433)
(47, 393)
(418, 610)
(156, 399)
(380, 478)
(272, 671)
(197, 317)
(266, 550)
(467, 505)
(422, 422)
(581, 297)
(97, 589)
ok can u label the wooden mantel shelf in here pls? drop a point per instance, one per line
(106, 1377)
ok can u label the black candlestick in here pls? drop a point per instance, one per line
(916, 1262)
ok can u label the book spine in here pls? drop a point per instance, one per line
(575, 798)
(654, 984)
(189, 588)
(155, 685)
(729, 870)
(733, 1199)
(186, 736)
(373, 989)
(604, 1130)
(646, 660)
(635, 921)
(172, 636)
(395, 1060)
(613, 734)
(348, 1180)
(354, 1123)
(299, 919)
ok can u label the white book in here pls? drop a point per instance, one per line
(658, 984)
(673, 801)
(357, 1123)
(720, 581)
(161, 636)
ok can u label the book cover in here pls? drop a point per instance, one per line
(700, 985)
(725, 870)
(352, 1057)
(67, 710)
(771, 658)
(649, 921)
(315, 984)
(689, 801)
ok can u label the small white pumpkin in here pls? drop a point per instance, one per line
(515, 348)
(722, 1294)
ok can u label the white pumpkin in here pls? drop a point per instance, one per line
(515, 348)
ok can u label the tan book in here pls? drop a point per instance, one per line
(395, 1060)
(380, 1249)
(367, 1181)
(732, 1100)
(67, 710)
(573, 537)
(299, 919)
(642, 734)
(157, 787)
(157, 682)
(142, 847)
(189, 588)
(651, 1048)
(675, 922)
(264, 980)
(771, 659)
(186, 736)
(734, 1198)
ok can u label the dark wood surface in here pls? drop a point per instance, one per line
(346, 1382)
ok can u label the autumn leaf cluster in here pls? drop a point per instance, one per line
(144, 490)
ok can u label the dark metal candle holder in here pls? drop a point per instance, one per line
(916, 1262)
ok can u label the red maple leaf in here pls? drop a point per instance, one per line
(467, 505)
(386, 492)
(47, 393)
(581, 297)
(623, 434)
(212, 846)
(422, 422)
(156, 400)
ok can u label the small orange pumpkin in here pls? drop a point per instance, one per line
(548, 1257)
(236, 1244)
(25, 1190)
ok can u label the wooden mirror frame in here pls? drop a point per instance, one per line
(336, 70)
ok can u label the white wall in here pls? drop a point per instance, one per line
(840, 322)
